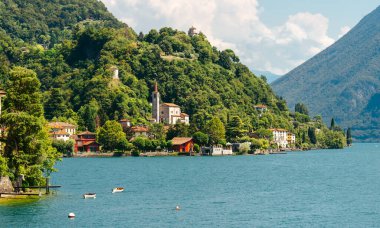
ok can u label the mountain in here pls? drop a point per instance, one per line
(342, 81)
(271, 77)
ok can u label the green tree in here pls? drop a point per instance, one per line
(28, 148)
(301, 108)
(55, 105)
(64, 147)
(349, 136)
(264, 133)
(157, 131)
(312, 135)
(332, 124)
(178, 130)
(216, 131)
(111, 136)
(235, 128)
(139, 143)
(200, 138)
(88, 114)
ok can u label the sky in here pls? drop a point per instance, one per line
(267, 35)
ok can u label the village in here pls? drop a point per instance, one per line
(86, 143)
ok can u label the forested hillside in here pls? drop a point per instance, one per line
(76, 67)
(49, 22)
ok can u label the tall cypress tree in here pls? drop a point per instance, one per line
(332, 124)
(349, 136)
(312, 136)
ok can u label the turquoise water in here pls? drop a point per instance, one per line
(336, 188)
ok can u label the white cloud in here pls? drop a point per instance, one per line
(236, 25)
(343, 31)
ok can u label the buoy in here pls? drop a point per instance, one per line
(71, 215)
(177, 208)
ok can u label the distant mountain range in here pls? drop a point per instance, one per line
(271, 77)
(343, 81)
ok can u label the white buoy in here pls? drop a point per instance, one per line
(177, 207)
(71, 215)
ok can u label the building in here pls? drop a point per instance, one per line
(167, 113)
(192, 31)
(60, 135)
(283, 138)
(139, 131)
(62, 126)
(291, 138)
(125, 124)
(261, 108)
(156, 104)
(115, 72)
(217, 150)
(183, 145)
(86, 142)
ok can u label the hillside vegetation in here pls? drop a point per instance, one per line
(76, 71)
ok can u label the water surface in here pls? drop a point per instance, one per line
(331, 188)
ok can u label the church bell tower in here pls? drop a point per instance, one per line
(156, 103)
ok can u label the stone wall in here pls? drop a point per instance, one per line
(5, 185)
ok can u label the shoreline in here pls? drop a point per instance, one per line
(175, 154)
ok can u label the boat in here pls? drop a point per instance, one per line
(89, 195)
(119, 189)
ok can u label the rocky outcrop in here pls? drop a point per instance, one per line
(5, 185)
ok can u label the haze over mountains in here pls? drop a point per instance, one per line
(343, 81)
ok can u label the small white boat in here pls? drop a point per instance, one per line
(89, 195)
(115, 190)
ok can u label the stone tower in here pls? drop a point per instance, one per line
(156, 103)
(115, 73)
(192, 31)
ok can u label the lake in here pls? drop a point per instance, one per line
(326, 188)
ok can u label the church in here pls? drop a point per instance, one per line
(166, 113)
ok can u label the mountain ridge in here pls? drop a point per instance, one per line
(340, 81)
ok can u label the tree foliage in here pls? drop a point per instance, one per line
(112, 137)
(28, 148)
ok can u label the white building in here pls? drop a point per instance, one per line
(167, 113)
(60, 135)
(62, 126)
(218, 150)
(280, 137)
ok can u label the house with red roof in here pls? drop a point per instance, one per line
(183, 145)
(86, 142)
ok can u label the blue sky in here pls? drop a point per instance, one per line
(268, 35)
(340, 12)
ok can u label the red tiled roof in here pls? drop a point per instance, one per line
(89, 143)
(139, 129)
(277, 129)
(179, 141)
(260, 106)
(61, 132)
(170, 104)
(184, 115)
(61, 125)
(87, 133)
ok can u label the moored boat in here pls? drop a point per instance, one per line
(119, 189)
(89, 195)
